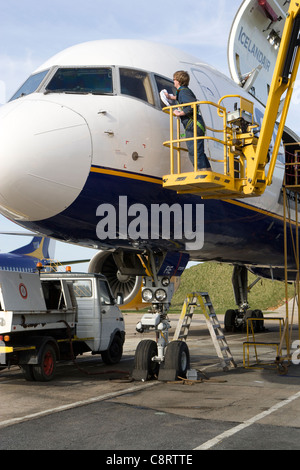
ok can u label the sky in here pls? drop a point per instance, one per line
(32, 31)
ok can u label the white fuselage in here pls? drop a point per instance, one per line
(54, 144)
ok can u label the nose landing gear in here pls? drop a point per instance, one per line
(151, 357)
(162, 359)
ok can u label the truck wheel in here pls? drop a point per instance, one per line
(45, 371)
(27, 371)
(114, 353)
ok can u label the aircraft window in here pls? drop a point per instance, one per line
(165, 84)
(31, 84)
(137, 84)
(84, 80)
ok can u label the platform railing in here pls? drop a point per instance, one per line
(175, 143)
(237, 131)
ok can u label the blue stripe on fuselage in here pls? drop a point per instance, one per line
(234, 232)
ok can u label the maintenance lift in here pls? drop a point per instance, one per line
(246, 148)
(245, 174)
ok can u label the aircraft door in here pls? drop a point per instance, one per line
(135, 107)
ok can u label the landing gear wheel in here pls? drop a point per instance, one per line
(176, 363)
(229, 321)
(257, 325)
(114, 353)
(45, 371)
(260, 323)
(144, 367)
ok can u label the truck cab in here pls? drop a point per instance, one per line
(47, 317)
(98, 315)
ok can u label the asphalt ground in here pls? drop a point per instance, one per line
(90, 406)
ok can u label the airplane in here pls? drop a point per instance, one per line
(26, 258)
(35, 256)
(88, 162)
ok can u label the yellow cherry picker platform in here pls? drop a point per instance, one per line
(246, 154)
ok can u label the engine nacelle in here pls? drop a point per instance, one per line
(124, 272)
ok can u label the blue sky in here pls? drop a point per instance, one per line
(31, 31)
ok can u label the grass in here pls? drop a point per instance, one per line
(215, 278)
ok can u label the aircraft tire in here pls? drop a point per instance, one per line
(250, 314)
(260, 323)
(229, 321)
(176, 363)
(144, 367)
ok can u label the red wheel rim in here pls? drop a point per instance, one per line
(48, 363)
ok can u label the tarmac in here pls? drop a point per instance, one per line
(244, 408)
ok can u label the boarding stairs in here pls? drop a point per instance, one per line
(243, 171)
(202, 300)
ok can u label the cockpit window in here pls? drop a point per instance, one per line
(31, 84)
(82, 80)
(165, 84)
(136, 83)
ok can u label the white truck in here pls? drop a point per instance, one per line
(48, 317)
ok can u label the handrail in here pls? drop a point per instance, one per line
(245, 104)
(170, 143)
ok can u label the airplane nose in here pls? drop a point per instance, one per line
(45, 158)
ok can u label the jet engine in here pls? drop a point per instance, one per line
(124, 272)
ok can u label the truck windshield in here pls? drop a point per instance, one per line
(30, 86)
(82, 80)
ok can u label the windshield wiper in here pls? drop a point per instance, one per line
(46, 92)
(67, 92)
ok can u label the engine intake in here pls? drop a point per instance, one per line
(124, 272)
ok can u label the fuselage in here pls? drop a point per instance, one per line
(67, 148)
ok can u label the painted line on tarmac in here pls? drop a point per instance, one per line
(69, 406)
(213, 442)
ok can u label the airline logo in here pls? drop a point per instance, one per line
(253, 49)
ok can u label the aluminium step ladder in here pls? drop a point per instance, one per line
(202, 300)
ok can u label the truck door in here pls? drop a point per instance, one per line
(109, 313)
(88, 312)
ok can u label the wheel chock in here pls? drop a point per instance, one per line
(167, 375)
(140, 375)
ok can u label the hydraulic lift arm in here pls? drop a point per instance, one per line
(284, 77)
